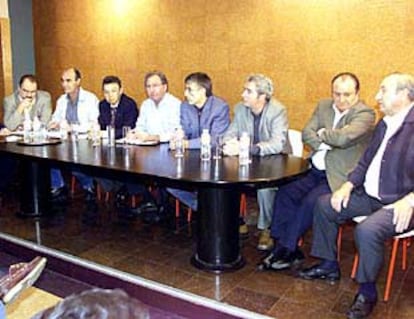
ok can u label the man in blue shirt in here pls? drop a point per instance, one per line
(201, 110)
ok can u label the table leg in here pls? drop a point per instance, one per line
(218, 230)
(34, 199)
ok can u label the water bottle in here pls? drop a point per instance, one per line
(205, 152)
(179, 142)
(36, 126)
(27, 127)
(244, 149)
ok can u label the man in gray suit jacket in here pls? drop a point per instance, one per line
(264, 119)
(337, 134)
(29, 99)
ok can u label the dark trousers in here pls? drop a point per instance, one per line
(294, 204)
(7, 169)
(369, 235)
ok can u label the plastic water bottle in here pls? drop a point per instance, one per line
(110, 130)
(205, 152)
(36, 125)
(27, 127)
(244, 149)
(179, 142)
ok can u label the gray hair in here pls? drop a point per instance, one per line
(264, 85)
(404, 81)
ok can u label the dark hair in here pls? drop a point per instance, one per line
(29, 77)
(99, 304)
(345, 75)
(111, 79)
(161, 75)
(203, 80)
(77, 73)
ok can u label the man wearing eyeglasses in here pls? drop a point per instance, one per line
(27, 99)
(159, 113)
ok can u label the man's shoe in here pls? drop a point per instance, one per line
(122, 199)
(283, 259)
(58, 195)
(265, 241)
(243, 230)
(361, 307)
(20, 276)
(316, 272)
(90, 195)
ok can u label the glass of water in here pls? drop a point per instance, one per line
(125, 132)
(218, 150)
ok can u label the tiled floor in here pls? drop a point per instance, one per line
(162, 252)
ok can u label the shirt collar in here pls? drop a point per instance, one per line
(398, 118)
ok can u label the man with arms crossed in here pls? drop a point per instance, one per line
(337, 133)
(381, 186)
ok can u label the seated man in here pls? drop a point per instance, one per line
(381, 186)
(80, 107)
(337, 133)
(158, 119)
(97, 303)
(159, 113)
(28, 99)
(19, 277)
(265, 120)
(201, 110)
(119, 110)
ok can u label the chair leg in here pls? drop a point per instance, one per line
(243, 205)
(355, 266)
(72, 185)
(339, 243)
(177, 208)
(391, 269)
(189, 214)
(405, 244)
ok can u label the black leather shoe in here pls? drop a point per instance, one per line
(90, 195)
(58, 195)
(361, 307)
(316, 272)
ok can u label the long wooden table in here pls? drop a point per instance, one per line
(219, 184)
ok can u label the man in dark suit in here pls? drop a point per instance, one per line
(381, 186)
(116, 103)
(119, 110)
(337, 134)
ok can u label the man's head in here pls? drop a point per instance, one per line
(257, 91)
(396, 92)
(99, 304)
(156, 85)
(345, 90)
(198, 88)
(112, 89)
(28, 87)
(70, 80)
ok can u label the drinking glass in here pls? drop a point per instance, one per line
(218, 150)
(125, 132)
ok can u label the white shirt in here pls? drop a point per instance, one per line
(161, 119)
(318, 159)
(88, 109)
(372, 176)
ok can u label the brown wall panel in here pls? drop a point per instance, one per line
(299, 44)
